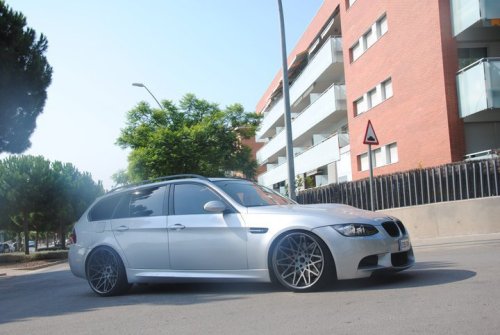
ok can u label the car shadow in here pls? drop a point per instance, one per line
(420, 275)
(63, 294)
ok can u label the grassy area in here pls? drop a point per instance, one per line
(19, 257)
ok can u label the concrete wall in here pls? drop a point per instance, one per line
(455, 218)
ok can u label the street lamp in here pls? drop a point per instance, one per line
(142, 85)
(288, 117)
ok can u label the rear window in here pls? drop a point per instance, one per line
(104, 209)
(143, 202)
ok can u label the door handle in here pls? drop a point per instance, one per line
(122, 228)
(177, 226)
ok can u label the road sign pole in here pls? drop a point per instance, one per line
(370, 138)
(370, 162)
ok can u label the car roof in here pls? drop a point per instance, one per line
(168, 179)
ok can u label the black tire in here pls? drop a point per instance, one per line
(105, 272)
(301, 262)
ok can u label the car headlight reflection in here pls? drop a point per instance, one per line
(355, 229)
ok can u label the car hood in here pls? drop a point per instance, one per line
(323, 214)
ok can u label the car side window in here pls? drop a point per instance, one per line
(142, 202)
(191, 198)
(104, 209)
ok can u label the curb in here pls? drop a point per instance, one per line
(16, 270)
(41, 266)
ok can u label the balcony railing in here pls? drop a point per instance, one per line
(330, 102)
(479, 86)
(314, 157)
(472, 13)
(330, 52)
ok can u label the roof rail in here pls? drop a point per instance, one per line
(150, 181)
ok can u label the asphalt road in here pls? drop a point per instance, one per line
(453, 289)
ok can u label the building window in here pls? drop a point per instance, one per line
(372, 35)
(392, 153)
(386, 88)
(467, 56)
(363, 163)
(349, 3)
(373, 97)
(381, 156)
(382, 26)
(378, 158)
(368, 39)
(356, 51)
(359, 106)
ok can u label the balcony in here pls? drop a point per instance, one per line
(330, 108)
(479, 90)
(321, 68)
(314, 157)
(475, 19)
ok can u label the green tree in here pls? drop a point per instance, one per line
(24, 183)
(194, 137)
(37, 195)
(25, 75)
(75, 192)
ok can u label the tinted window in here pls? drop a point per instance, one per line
(250, 194)
(143, 202)
(191, 198)
(103, 210)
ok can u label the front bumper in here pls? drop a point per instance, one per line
(359, 257)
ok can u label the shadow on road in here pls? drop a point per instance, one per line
(420, 275)
(59, 293)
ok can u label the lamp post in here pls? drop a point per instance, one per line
(142, 85)
(288, 118)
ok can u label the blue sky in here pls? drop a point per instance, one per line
(224, 51)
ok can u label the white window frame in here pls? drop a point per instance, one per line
(356, 50)
(381, 156)
(382, 26)
(387, 90)
(392, 155)
(360, 106)
(369, 37)
(371, 98)
(364, 163)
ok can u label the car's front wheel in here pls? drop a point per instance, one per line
(105, 272)
(301, 262)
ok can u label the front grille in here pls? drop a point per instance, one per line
(401, 227)
(399, 258)
(391, 228)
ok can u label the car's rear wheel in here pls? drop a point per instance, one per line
(105, 272)
(301, 262)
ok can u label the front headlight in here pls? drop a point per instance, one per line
(355, 229)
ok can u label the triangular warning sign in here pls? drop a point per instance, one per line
(370, 137)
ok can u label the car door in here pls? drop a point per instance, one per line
(140, 227)
(200, 240)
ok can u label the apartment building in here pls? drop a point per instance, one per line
(425, 73)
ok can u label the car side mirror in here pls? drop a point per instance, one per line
(215, 206)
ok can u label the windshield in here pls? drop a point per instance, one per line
(250, 194)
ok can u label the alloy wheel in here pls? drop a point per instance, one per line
(298, 261)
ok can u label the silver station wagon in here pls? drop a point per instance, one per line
(188, 227)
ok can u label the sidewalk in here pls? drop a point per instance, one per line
(454, 240)
(18, 269)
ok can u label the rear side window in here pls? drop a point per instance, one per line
(143, 202)
(104, 209)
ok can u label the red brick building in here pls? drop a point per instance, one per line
(425, 73)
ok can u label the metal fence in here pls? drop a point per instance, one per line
(465, 180)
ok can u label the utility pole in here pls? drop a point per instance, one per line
(288, 119)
